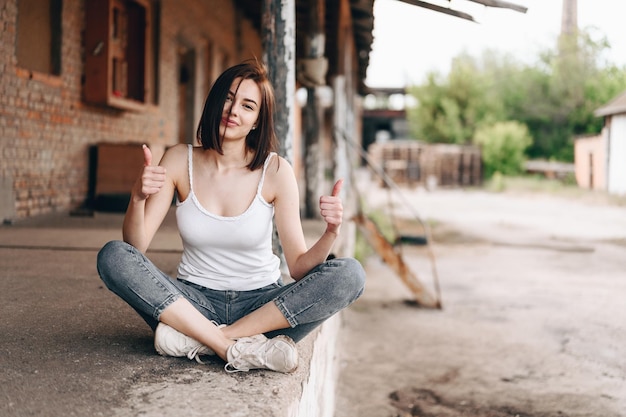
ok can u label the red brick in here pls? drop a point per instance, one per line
(45, 126)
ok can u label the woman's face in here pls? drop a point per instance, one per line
(241, 109)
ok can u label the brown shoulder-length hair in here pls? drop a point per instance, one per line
(260, 141)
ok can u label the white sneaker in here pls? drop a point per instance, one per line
(170, 342)
(258, 352)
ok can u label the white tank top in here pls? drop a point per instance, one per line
(227, 253)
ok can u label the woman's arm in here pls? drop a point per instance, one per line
(150, 200)
(301, 260)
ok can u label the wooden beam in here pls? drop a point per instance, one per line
(444, 10)
(312, 116)
(387, 251)
(389, 255)
(502, 4)
(279, 53)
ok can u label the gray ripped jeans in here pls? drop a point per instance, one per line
(324, 291)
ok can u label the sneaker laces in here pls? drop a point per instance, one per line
(252, 353)
(246, 354)
(195, 353)
(201, 349)
(171, 342)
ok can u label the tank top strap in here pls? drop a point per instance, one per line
(265, 165)
(190, 166)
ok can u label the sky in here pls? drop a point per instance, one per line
(410, 41)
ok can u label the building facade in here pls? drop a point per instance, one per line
(84, 83)
(601, 160)
(50, 112)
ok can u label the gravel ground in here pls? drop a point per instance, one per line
(533, 317)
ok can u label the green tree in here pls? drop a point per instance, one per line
(429, 120)
(450, 109)
(503, 147)
(554, 97)
(563, 90)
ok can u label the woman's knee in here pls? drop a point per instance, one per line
(351, 277)
(109, 259)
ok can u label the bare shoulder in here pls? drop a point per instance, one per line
(279, 178)
(175, 162)
(279, 168)
(176, 152)
(175, 156)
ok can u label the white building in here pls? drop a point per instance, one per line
(614, 133)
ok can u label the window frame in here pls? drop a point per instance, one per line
(115, 74)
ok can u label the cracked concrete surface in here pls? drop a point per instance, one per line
(533, 321)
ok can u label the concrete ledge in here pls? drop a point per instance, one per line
(73, 348)
(208, 390)
(318, 392)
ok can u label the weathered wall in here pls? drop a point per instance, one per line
(590, 162)
(47, 130)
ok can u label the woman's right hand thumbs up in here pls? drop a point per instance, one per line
(152, 177)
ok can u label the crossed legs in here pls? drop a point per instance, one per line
(292, 310)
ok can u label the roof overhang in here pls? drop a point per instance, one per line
(463, 15)
(615, 106)
(363, 22)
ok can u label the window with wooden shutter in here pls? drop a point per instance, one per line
(38, 41)
(118, 55)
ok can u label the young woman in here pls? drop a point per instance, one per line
(228, 297)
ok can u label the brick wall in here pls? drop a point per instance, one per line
(47, 130)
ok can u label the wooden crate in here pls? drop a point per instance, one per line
(417, 163)
(117, 168)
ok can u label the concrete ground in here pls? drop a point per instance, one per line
(69, 347)
(532, 325)
(533, 321)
